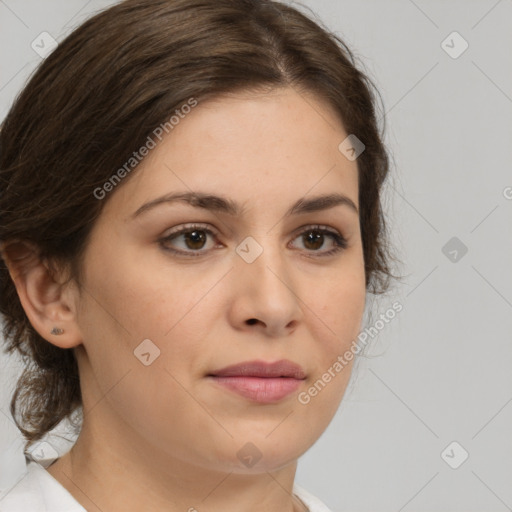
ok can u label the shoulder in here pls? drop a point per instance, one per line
(38, 491)
(311, 501)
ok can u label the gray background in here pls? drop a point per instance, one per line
(441, 370)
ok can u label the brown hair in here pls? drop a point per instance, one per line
(98, 96)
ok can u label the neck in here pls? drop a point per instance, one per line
(123, 473)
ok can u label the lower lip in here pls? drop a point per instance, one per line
(259, 389)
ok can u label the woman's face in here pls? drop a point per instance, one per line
(259, 284)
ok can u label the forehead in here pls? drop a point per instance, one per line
(254, 147)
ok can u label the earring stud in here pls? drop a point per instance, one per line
(56, 331)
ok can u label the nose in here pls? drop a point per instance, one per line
(265, 295)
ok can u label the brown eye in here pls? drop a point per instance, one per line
(195, 239)
(314, 238)
(188, 241)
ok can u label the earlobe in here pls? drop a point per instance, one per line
(43, 293)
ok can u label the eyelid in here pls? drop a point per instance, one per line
(320, 227)
(190, 226)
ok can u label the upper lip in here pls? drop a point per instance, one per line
(282, 368)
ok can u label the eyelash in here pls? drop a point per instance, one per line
(339, 240)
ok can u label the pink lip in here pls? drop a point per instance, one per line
(260, 381)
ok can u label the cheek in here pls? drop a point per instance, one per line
(146, 386)
(137, 298)
(349, 309)
(126, 303)
(153, 399)
(339, 308)
(340, 305)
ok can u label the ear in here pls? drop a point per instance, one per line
(48, 300)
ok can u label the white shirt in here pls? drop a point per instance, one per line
(38, 491)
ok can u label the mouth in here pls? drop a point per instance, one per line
(260, 381)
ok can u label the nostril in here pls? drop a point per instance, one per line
(252, 321)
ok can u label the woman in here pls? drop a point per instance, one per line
(191, 221)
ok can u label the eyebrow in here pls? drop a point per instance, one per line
(224, 205)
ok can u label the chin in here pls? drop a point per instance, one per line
(264, 453)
